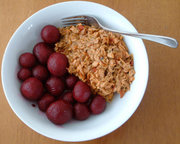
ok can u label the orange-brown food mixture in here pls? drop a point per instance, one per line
(99, 58)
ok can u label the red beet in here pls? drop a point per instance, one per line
(68, 97)
(24, 74)
(27, 60)
(32, 88)
(40, 72)
(55, 86)
(45, 101)
(98, 105)
(42, 51)
(59, 112)
(50, 34)
(71, 81)
(57, 64)
(81, 111)
(81, 92)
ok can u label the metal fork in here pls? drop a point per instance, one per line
(92, 21)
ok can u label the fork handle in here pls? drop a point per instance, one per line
(171, 42)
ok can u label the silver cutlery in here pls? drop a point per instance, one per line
(93, 21)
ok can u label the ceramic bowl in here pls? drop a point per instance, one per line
(117, 112)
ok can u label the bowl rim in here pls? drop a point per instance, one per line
(41, 132)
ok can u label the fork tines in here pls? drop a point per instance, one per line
(68, 21)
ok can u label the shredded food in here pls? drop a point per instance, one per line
(99, 58)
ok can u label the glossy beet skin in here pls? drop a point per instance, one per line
(81, 111)
(57, 64)
(24, 74)
(50, 34)
(98, 105)
(71, 81)
(45, 101)
(42, 51)
(68, 97)
(81, 92)
(55, 86)
(40, 72)
(27, 60)
(32, 88)
(59, 112)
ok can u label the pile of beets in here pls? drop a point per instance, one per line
(45, 79)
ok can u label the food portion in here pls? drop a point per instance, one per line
(50, 34)
(68, 97)
(81, 111)
(55, 86)
(71, 81)
(60, 112)
(81, 92)
(40, 72)
(75, 71)
(32, 88)
(24, 73)
(57, 64)
(46, 80)
(98, 105)
(27, 60)
(42, 51)
(98, 58)
(45, 101)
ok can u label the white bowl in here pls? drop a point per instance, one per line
(116, 113)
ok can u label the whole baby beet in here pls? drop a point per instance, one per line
(98, 105)
(81, 111)
(55, 86)
(45, 101)
(59, 112)
(40, 72)
(68, 97)
(50, 34)
(24, 74)
(32, 88)
(27, 60)
(81, 92)
(42, 51)
(57, 64)
(71, 81)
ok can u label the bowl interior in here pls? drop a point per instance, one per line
(116, 113)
